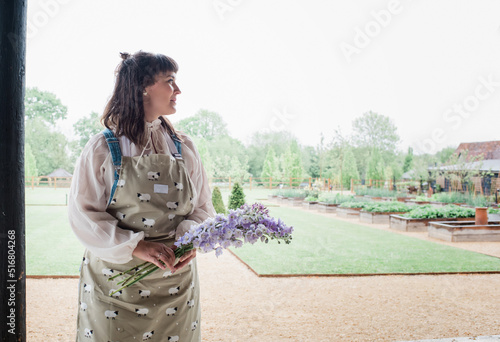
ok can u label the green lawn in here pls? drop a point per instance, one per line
(323, 245)
(320, 245)
(51, 246)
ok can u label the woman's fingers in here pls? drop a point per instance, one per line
(156, 253)
(185, 259)
(168, 258)
(187, 255)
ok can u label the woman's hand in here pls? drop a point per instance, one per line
(184, 259)
(155, 252)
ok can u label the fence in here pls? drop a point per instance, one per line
(47, 182)
(323, 184)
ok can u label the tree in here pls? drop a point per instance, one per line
(49, 147)
(271, 166)
(44, 105)
(292, 163)
(311, 161)
(408, 163)
(260, 142)
(321, 154)
(376, 132)
(206, 157)
(349, 168)
(85, 128)
(334, 156)
(30, 169)
(237, 197)
(375, 169)
(204, 125)
(217, 201)
(445, 154)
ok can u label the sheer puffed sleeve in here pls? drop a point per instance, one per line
(88, 197)
(203, 207)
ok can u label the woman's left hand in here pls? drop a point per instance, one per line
(184, 259)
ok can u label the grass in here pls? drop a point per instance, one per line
(323, 245)
(320, 244)
(51, 246)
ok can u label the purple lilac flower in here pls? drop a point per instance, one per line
(246, 224)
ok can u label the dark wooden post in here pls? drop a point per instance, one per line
(12, 223)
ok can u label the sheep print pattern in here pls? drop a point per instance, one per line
(153, 197)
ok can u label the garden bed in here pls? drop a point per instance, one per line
(438, 204)
(407, 224)
(376, 217)
(295, 201)
(272, 197)
(348, 212)
(465, 231)
(324, 207)
(310, 205)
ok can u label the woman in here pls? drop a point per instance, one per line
(137, 187)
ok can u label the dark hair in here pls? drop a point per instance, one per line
(125, 109)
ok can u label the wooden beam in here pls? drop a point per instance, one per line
(12, 220)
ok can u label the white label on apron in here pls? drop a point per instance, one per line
(161, 188)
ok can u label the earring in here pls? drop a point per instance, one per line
(145, 93)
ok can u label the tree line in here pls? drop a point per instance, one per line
(370, 152)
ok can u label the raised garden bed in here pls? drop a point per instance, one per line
(348, 212)
(376, 217)
(282, 199)
(309, 205)
(465, 231)
(406, 224)
(272, 197)
(324, 207)
(295, 201)
(438, 204)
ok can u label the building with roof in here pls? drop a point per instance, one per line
(481, 159)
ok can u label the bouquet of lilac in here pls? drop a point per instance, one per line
(248, 224)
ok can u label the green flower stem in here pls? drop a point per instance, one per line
(145, 269)
(127, 271)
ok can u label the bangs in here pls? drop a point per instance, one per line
(166, 64)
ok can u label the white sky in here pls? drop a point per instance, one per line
(279, 65)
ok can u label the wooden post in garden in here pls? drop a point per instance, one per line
(309, 181)
(290, 182)
(270, 183)
(12, 219)
(352, 185)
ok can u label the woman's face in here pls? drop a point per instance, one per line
(161, 96)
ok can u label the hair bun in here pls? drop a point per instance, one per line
(125, 55)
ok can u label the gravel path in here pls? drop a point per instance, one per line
(237, 305)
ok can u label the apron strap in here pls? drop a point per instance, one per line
(177, 143)
(116, 155)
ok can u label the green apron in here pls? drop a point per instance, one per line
(153, 196)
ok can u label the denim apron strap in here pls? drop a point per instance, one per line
(177, 143)
(116, 155)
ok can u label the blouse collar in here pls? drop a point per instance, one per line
(156, 138)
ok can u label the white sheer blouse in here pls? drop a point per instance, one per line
(91, 187)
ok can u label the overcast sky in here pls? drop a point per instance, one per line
(305, 66)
